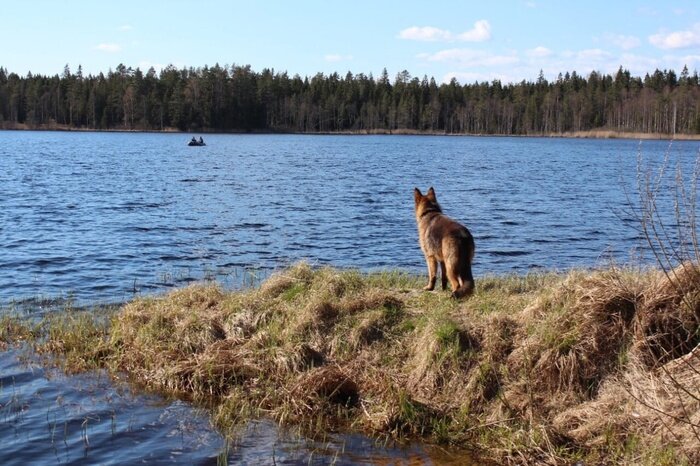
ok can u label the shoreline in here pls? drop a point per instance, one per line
(327, 350)
(589, 134)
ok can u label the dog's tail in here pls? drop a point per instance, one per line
(466, 279)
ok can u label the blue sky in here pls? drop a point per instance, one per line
(470, 40)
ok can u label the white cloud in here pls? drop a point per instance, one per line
(622, 41)
(144, 65)
(592, 55)
(111, 48)
(638, 65)
(425, 34)
(468, 57)
(677, 39)
(126, 27)
(677, 62)
(479, 33)
(467, 77)
(471, 77)
(647, 11)
(539, 52)
(691, 61)
(469, 65)
(334, 57)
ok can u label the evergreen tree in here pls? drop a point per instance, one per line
(236, 98)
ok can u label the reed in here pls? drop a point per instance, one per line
(535, 368)
(15, 328)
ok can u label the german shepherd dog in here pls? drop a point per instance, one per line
(445, 241)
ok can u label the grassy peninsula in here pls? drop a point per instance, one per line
(600, 366)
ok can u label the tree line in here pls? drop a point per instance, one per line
(236, 98)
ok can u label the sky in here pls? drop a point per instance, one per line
(468, 40)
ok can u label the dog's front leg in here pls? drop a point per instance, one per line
(432, 272)
(443, 274)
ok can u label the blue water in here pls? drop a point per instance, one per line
(100, 217)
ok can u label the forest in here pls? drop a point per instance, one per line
(236, 98)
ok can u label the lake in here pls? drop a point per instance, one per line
(97, 218)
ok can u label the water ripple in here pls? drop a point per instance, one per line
(80, 215)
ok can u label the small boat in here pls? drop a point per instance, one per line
(194, 142)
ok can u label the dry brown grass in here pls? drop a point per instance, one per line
(13, 330)
(659, 409)
(546, 368)
(668, 320)
(612, 134)
(575, 336)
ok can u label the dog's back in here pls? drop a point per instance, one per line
(446, 242)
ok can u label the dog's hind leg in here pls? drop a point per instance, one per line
(460, 272)
(466, 282)
(451, 270)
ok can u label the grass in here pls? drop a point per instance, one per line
(15, 328)
(534, 368)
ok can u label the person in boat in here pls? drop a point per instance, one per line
(201, 141)
(193, 140)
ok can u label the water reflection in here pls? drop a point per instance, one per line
(47, 417)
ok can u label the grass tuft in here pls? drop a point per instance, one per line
(535, 368)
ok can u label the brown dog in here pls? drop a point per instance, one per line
(445, 241)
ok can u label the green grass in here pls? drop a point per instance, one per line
(14, 329)
(538, 367)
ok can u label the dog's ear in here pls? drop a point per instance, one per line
(431, 194)
(417, 195)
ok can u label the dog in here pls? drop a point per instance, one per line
(445, 241)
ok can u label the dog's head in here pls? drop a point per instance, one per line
(427, 203)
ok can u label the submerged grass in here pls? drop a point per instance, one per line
(14, 329)
(534, 368)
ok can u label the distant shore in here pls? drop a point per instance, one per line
(590, 134)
